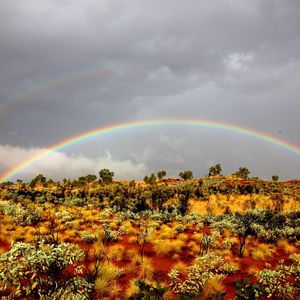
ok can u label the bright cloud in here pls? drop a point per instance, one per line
(58, 165)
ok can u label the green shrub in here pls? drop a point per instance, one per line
(89, 237)
(279, 282)
(205, 268)
(37, 271)
(245, 290)
(21, 215)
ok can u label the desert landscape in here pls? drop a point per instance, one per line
(216, 237)
(149, 150)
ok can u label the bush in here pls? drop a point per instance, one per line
(245, 290)
(206, 268)
(89, 237)
(279, 282)
(19, 214)
(37, 271)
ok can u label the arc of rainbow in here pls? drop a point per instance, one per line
(210, 124)
(51, 84)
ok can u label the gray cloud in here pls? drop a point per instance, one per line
(82, 65)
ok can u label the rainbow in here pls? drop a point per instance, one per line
(53, 84)
(209, 124)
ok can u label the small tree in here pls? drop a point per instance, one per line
(38, 179)
(185, 193)
(143, 235)
(278, 200)
(275, 178)
(106, 176)
(215, 170)
(243, 173)
(150, 179)
(186, 175)
(161, 174)
(243, 228)
(91, 177)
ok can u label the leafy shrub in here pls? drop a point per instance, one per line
(37, 271)
(89, 237)
(245, 290)
(279, 282)
(180, 228)
(75, 202)
(208, 241)
(19, 214)
(149, 291)
(206, 268)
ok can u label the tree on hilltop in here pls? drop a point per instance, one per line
(242, 172)
(215, 170)
(106, 176)
(161, 174)
(186, 175)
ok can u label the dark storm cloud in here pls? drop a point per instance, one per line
(233, 61)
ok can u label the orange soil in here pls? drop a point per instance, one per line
(163, 264)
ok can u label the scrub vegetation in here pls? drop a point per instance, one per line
(216, 237)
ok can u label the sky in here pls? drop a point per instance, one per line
(68, 67)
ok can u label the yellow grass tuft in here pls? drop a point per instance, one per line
(193, 248)
(164, 247)
(114, 290)
(116, 252)
(212, 286)
(225, 253)
(167, 232)
(146, 269)
(182, 237)
(113, 226)
(132, 254)
(197, 236)
(181, 267)
(102, 286)
(132, 288)
(107, 278)
(262, 252)
(253, 270)
(286, 247)
(132, 239)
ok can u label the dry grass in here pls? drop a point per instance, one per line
(146, 269)
(193, 248)
(107, 278)
(164, 247)
(197, 236)
(113, 226)
(23, 234)
(132, 254)
(286, 247)
(182, 237)
(132, 239)
(212, 286)
(181, 267)
(253, 270)
(225, 253)
(262, 252)
(167, 232)
(132, 288)
(116, 252)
